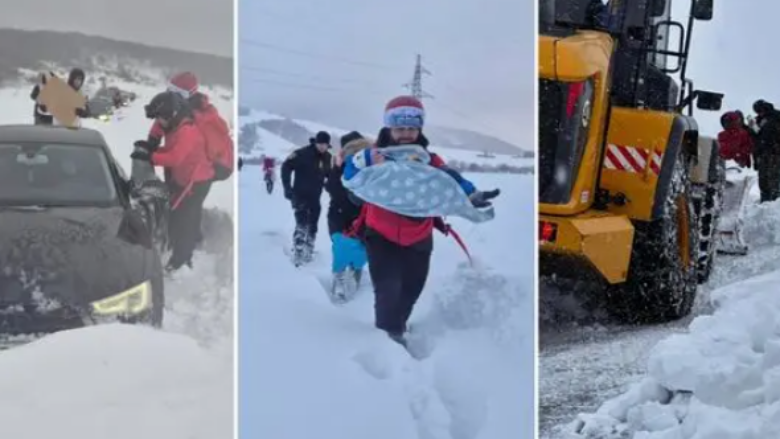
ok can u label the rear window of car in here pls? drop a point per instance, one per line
(55, 175)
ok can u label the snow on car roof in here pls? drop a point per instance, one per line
(51, 134)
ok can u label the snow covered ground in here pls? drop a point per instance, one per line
(121, 381)
(312, 369)
(282, 148)
(717, 378)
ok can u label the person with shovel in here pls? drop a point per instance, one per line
(398, 246)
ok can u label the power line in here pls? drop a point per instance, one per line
(292, 85)
(304, 53)
(364, 88)
(305, 76)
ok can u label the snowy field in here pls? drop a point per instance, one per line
(312, 369)
(282, 148)
(122, 381)
(720, 377)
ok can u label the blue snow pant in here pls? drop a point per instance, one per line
(347, 252)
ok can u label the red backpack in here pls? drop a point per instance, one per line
(219, 144)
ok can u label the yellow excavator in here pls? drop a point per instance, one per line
(628, 189)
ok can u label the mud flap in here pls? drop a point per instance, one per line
(735, 197)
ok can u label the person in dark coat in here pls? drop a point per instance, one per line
(311, 165)
(767, 150)
(41, 114)
(349, 254)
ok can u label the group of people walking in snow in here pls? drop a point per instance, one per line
(754, 143)
(396, 247)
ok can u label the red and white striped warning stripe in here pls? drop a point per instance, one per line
(631, 159)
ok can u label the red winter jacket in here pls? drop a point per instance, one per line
(184, 153)
(268, 164)
(735, 141)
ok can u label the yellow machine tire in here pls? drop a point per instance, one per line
(663, 276)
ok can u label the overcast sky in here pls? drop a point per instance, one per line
(734, 54)
(481, 54)
(196, 25)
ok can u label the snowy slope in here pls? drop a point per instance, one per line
(122, 381)
(719, 379)
(254, 116)
(330, 374)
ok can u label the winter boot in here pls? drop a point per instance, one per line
(338, 291)
(398, 338)
(358, 274)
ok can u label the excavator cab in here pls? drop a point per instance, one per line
(616, 152)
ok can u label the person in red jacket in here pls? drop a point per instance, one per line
(268, 172)
(736, 142)
(186, 85)
(184, 155)
(398, 247)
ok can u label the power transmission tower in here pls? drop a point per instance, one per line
(416, 84)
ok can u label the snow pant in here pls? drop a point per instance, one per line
(347, 252)
(399, 275)
(307, 217)
(269, 182)
(185, 223)
(768, 167)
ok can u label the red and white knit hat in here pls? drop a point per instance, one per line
(404, 112)
(185, 83)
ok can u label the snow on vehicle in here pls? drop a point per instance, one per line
(618, 156)
(735, 198)
(73, 249)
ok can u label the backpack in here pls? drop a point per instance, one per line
(219, 144)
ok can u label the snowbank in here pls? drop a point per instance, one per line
(330, 374)
(117, 381)
(722, 378)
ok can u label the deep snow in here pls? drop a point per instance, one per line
(123, 381)
(312, 369)
(717, 379)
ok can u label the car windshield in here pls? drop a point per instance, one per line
(34, 174)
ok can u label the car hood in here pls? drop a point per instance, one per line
(73, 255)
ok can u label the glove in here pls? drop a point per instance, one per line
(146, 145)
(141, 154)
(481, 199)
(441, 226)
(288, 193)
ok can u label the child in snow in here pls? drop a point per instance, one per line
(349, 254)
(399, 247)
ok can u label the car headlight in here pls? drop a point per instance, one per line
(132, 301)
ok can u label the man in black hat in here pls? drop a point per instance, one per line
(311, 165)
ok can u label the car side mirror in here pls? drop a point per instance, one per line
(133, 230)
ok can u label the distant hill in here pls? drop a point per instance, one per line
(36, 50)
(298, 132)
